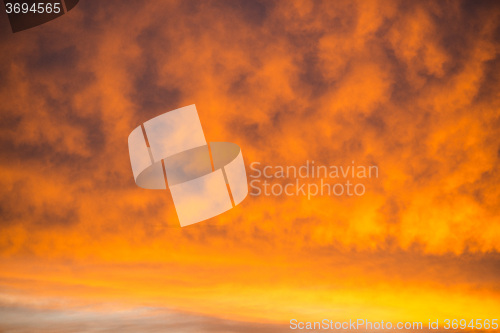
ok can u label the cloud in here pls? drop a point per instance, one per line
(125, 320)
(411, 88)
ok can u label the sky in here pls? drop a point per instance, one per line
(411, 87)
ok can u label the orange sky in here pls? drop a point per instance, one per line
(410, 87)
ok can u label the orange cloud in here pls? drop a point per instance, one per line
(411, 88)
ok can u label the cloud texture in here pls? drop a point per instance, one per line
(412, 87)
